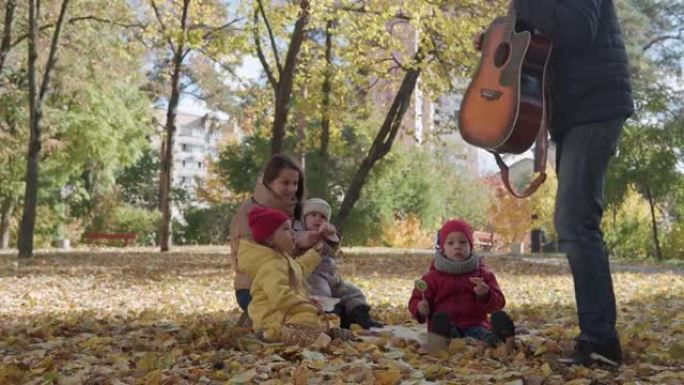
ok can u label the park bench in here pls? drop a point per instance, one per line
(483, 240)
(98, 237)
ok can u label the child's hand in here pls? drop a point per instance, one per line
(423, 307)
(327, 229)
(480, 288)
(306, 239)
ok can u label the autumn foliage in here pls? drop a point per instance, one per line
(143, 318)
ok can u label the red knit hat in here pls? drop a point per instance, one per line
(455, 225)
(264, 221)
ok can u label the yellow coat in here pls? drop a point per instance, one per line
(272, 292)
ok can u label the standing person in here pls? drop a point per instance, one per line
(281, 187)
(461, 291)
(590, 100)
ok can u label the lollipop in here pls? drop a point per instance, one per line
(421, 286)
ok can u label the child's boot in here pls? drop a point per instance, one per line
(360, 315)
(503, 327)
(441, 324)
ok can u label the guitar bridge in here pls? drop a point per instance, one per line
(490, 94)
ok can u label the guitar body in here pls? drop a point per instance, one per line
(503, 109)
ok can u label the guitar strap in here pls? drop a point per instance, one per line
(540, 155)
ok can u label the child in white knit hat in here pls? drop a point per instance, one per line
(325, 280)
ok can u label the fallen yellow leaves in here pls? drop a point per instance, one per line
(11, 374)
(149, 319)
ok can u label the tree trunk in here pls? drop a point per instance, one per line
(283, 91)
(36, 97)
(10, 6)
(6, 211)
(300, 132)
(382, 143)
(651, 203)
(28, 218)
(167, 155)
(327, 89)
(320, 166)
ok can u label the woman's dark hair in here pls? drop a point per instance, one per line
(278, 163)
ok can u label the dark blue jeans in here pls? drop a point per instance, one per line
(476, 332)
(582, 160)
(243, 298)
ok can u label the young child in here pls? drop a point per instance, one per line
(278, 281)
(461, 291)
(325, 280)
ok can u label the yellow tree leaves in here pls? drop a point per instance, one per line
(514, 218)
(510, 217)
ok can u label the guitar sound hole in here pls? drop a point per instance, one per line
(501, 54)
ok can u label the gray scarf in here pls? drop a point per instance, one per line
(446, 265)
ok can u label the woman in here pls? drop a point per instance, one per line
(282, 188)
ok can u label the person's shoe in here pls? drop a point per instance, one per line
(441, 324)
(361, 315)
(587, 353)
(244, 321)
(502, 325)
(345, 320)
(376, 324)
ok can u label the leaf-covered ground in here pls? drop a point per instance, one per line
(136, 317)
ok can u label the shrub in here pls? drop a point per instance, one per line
(128, 219)
(203, 226)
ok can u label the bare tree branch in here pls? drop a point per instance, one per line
(161, 23)
(377, 80)
(225, 68)
(271, 38)
(184, 54)
(214, 30)
(195, 95)
(660, 39)
(362, 10)
(398, 63)
(52, 56)
(77, 19)
(284, 91)
(260, 53)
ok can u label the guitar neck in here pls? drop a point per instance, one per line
(511, 9)
(511, 17)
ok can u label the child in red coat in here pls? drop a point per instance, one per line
(461, 291)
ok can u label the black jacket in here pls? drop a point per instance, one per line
(589, 68)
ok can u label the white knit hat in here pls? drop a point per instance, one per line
(317, 205)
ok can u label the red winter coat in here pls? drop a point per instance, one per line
(453, 294)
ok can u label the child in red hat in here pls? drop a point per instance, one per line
(461, 291)
(278, 281)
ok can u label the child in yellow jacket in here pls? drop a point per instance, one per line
(278, 280)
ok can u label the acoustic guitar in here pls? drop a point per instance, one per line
(504, 107)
